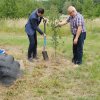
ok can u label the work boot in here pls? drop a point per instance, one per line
(30, 59)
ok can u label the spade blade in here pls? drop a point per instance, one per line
(45, 55)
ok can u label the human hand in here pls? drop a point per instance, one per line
(44, 35)
(75, 41)
(44, 20)
(58, 25)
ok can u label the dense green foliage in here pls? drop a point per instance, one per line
(90, 8)
(17, 8)
(22, 8)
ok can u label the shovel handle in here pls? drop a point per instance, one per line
(44, 21)
(44, 43)
(44, 40)
(44, 27)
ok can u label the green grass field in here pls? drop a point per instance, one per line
(56, 79)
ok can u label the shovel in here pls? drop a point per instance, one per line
(44, 52)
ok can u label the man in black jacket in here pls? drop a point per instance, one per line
(31, 27)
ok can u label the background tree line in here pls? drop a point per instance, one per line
(22, 8)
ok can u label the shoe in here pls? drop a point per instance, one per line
(73, 61)
(36, 58)
(30, 59)
(78, 62)
(76, 66)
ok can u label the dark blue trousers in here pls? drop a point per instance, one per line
(32, 50)
(78, 48)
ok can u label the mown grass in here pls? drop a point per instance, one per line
(46, 82)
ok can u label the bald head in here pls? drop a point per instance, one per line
(71, 10)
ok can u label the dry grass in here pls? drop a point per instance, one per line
(36, 75)
(55, 79)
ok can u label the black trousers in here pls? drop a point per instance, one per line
(78, 48)
(32, 50)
